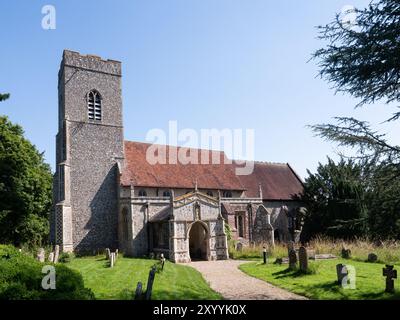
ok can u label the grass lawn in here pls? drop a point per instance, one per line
(370, 284)
(175, 282)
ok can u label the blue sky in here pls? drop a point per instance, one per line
(205, 63)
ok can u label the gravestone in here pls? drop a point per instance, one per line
(303, 259)
(112, 259)
(341, 272)
(278, 261)
(108, 253)
(346, 253)
(292, 259)
(116, 254)
(290, 246)
(51, 257)
(390, 275)
(41, 255)
(239, 246)
(151, 256)
(138, 292)
(150, 281)
(56, 253)
(372, 257)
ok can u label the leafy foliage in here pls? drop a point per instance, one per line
(25, 188)
(4, 96)
(335, 198)
(21, 277)
(363, 59)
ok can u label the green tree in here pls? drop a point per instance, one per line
(4, 96)
(363, 60)
(334, 197)
(25, 188)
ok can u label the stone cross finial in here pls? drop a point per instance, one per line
(390, 275)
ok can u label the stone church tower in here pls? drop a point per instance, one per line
(89, 150)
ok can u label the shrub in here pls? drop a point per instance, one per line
(65, 257)
(21, 278)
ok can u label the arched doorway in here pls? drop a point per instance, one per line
(198, 242)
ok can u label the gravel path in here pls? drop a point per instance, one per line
(225, 277)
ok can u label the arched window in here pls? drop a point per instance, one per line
(166, 194)
(227, 194)
(142, 193)
(94, 105)
(125, 221)
(210, 193)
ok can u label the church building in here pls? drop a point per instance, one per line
(107, 195)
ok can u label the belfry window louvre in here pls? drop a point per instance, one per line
(94, 105)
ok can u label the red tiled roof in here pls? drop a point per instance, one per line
(139, 172)
(278, 181)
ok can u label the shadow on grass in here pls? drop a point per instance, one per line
(290, 273)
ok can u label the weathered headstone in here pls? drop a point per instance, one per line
(390, 275)
(239, 246)
(372, 257)
(56, 253)
(150, 281)
(108, 254)
(303, 259)
(51, 257)
(41, 255)
(278, 261)
(151, 255)
(116, 254)
(290, 246)
(138, 292)
(112, 259)
(292, 259)
(341, 272)
(346, 253)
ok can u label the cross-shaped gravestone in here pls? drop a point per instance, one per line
(390, 275)
(150, 281)
(341, 272)
(292, 259)
(303, 259)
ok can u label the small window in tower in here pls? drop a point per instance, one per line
(142, 193)
(94, 105)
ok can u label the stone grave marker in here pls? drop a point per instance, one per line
(112, 259)
(51, 257)
(292, 259)
(41, 255)
(372, 257)
(290, 246)
(341, 272)
(239, 246)
(390, 275)
(150, 281)
(346, 253)
(303, 259)
(116, 254)
(56, 253)
(108, 253)
(138, 292)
